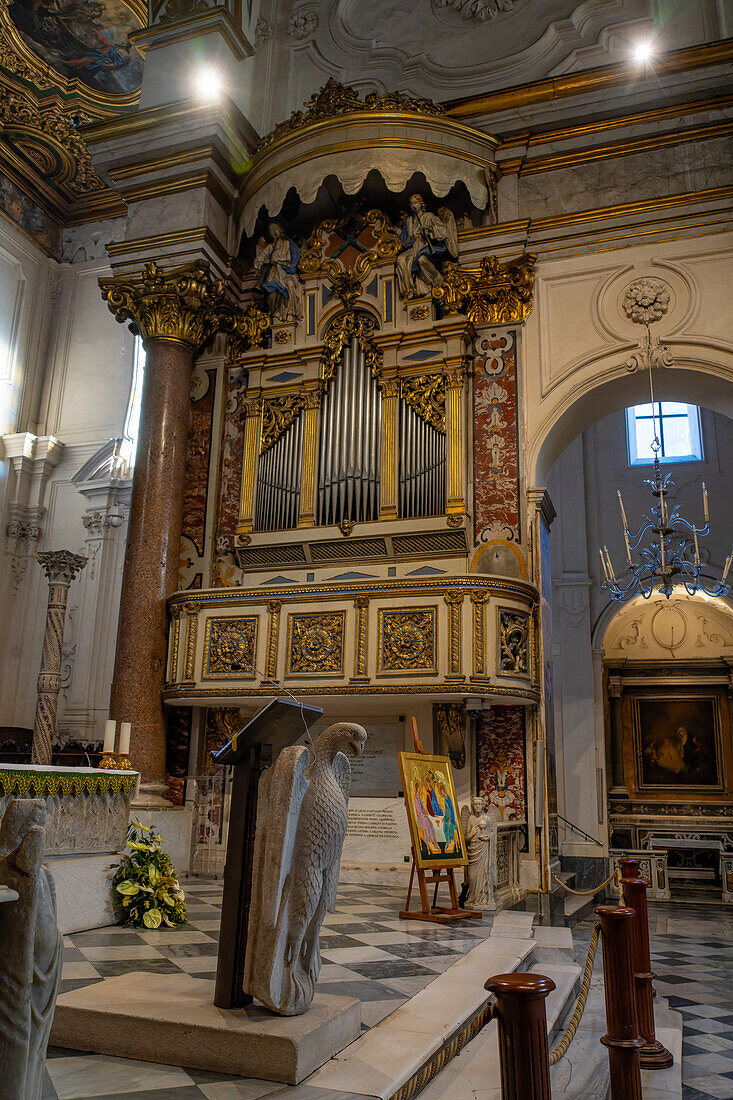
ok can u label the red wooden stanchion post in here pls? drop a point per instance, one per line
(653, 1055)
(622, 1037)
(523, 1049)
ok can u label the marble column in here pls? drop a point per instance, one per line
(176, 313)
(60, 567)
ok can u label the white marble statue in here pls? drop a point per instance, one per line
(479, 828)
(428, 241)
(276, 261)
(301, 824)
(30, 952)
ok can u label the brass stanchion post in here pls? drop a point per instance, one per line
(622, 1035)
(653, 1055)
(522, 1020)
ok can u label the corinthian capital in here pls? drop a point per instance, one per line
(180, 304)
(61, 566)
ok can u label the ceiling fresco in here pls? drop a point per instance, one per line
(84, 39)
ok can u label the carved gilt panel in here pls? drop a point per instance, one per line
(316, 644)
(230, 646)
(407, 641)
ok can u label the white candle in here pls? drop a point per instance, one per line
(605, 567)
(621, 505)
(125, 730)
(697, 548)
(705, 503)
(728, 560)
(109, 736)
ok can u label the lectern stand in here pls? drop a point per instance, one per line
(258, 744)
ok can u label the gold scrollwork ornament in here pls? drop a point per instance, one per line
(344, 329)
(492, 293)
(278, 413)
(426, 396)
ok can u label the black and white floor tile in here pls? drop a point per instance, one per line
(692, 956)
(367, 952)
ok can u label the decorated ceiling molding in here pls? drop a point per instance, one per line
(342, 135)
(448, 48)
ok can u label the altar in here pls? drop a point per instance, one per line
(87, 816)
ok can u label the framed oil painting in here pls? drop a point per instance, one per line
(432, 811)
(678, 743)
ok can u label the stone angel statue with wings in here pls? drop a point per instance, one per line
(301, 825)
(428, 241)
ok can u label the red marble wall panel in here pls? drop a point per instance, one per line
(197, 459)
(496, 450)
(500, 753)
(232, 461)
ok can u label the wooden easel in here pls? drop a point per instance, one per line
(437, 913)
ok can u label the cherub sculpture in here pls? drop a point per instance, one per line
(301, 825)
(30, 951)
(428, 241)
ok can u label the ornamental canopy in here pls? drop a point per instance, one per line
(347, 137)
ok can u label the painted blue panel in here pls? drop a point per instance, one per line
(326, 294)
(285, 376)
(279, 580)
(422, 355)
(425, 571)
(372, 288)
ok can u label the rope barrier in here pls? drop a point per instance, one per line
(615, 877)
(562, 1047)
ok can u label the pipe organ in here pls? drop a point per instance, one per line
(422, 465)
(277, 502)
(349, 456)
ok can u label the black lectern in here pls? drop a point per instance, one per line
(251, 750)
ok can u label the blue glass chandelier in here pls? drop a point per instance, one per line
(665, 551)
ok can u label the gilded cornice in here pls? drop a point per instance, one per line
(49, 141)
(589, 81)
(182, 305)
(335, 99)
(493, 293)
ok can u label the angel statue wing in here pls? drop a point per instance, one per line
(281, 791)
(451, 231)
(342, 772)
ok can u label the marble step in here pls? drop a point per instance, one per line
(380, 1062)
(474, 1074)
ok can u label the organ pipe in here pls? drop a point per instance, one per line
(348, 475)
(278, 481)
(422, 466)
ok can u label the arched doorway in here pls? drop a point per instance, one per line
(669, 746)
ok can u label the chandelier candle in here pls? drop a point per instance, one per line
(110, 728)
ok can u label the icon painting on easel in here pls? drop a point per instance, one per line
(431, 804)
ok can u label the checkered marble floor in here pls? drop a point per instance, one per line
(692, 956)
(367, 952)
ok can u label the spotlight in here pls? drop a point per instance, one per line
(643, 52)
(208, 83)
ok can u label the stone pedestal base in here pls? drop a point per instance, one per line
(83, 891)
(173, 1020)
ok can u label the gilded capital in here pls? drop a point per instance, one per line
(180, 304)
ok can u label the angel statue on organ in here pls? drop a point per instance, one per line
(302, 809)
(428, 241)
(276, 261)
